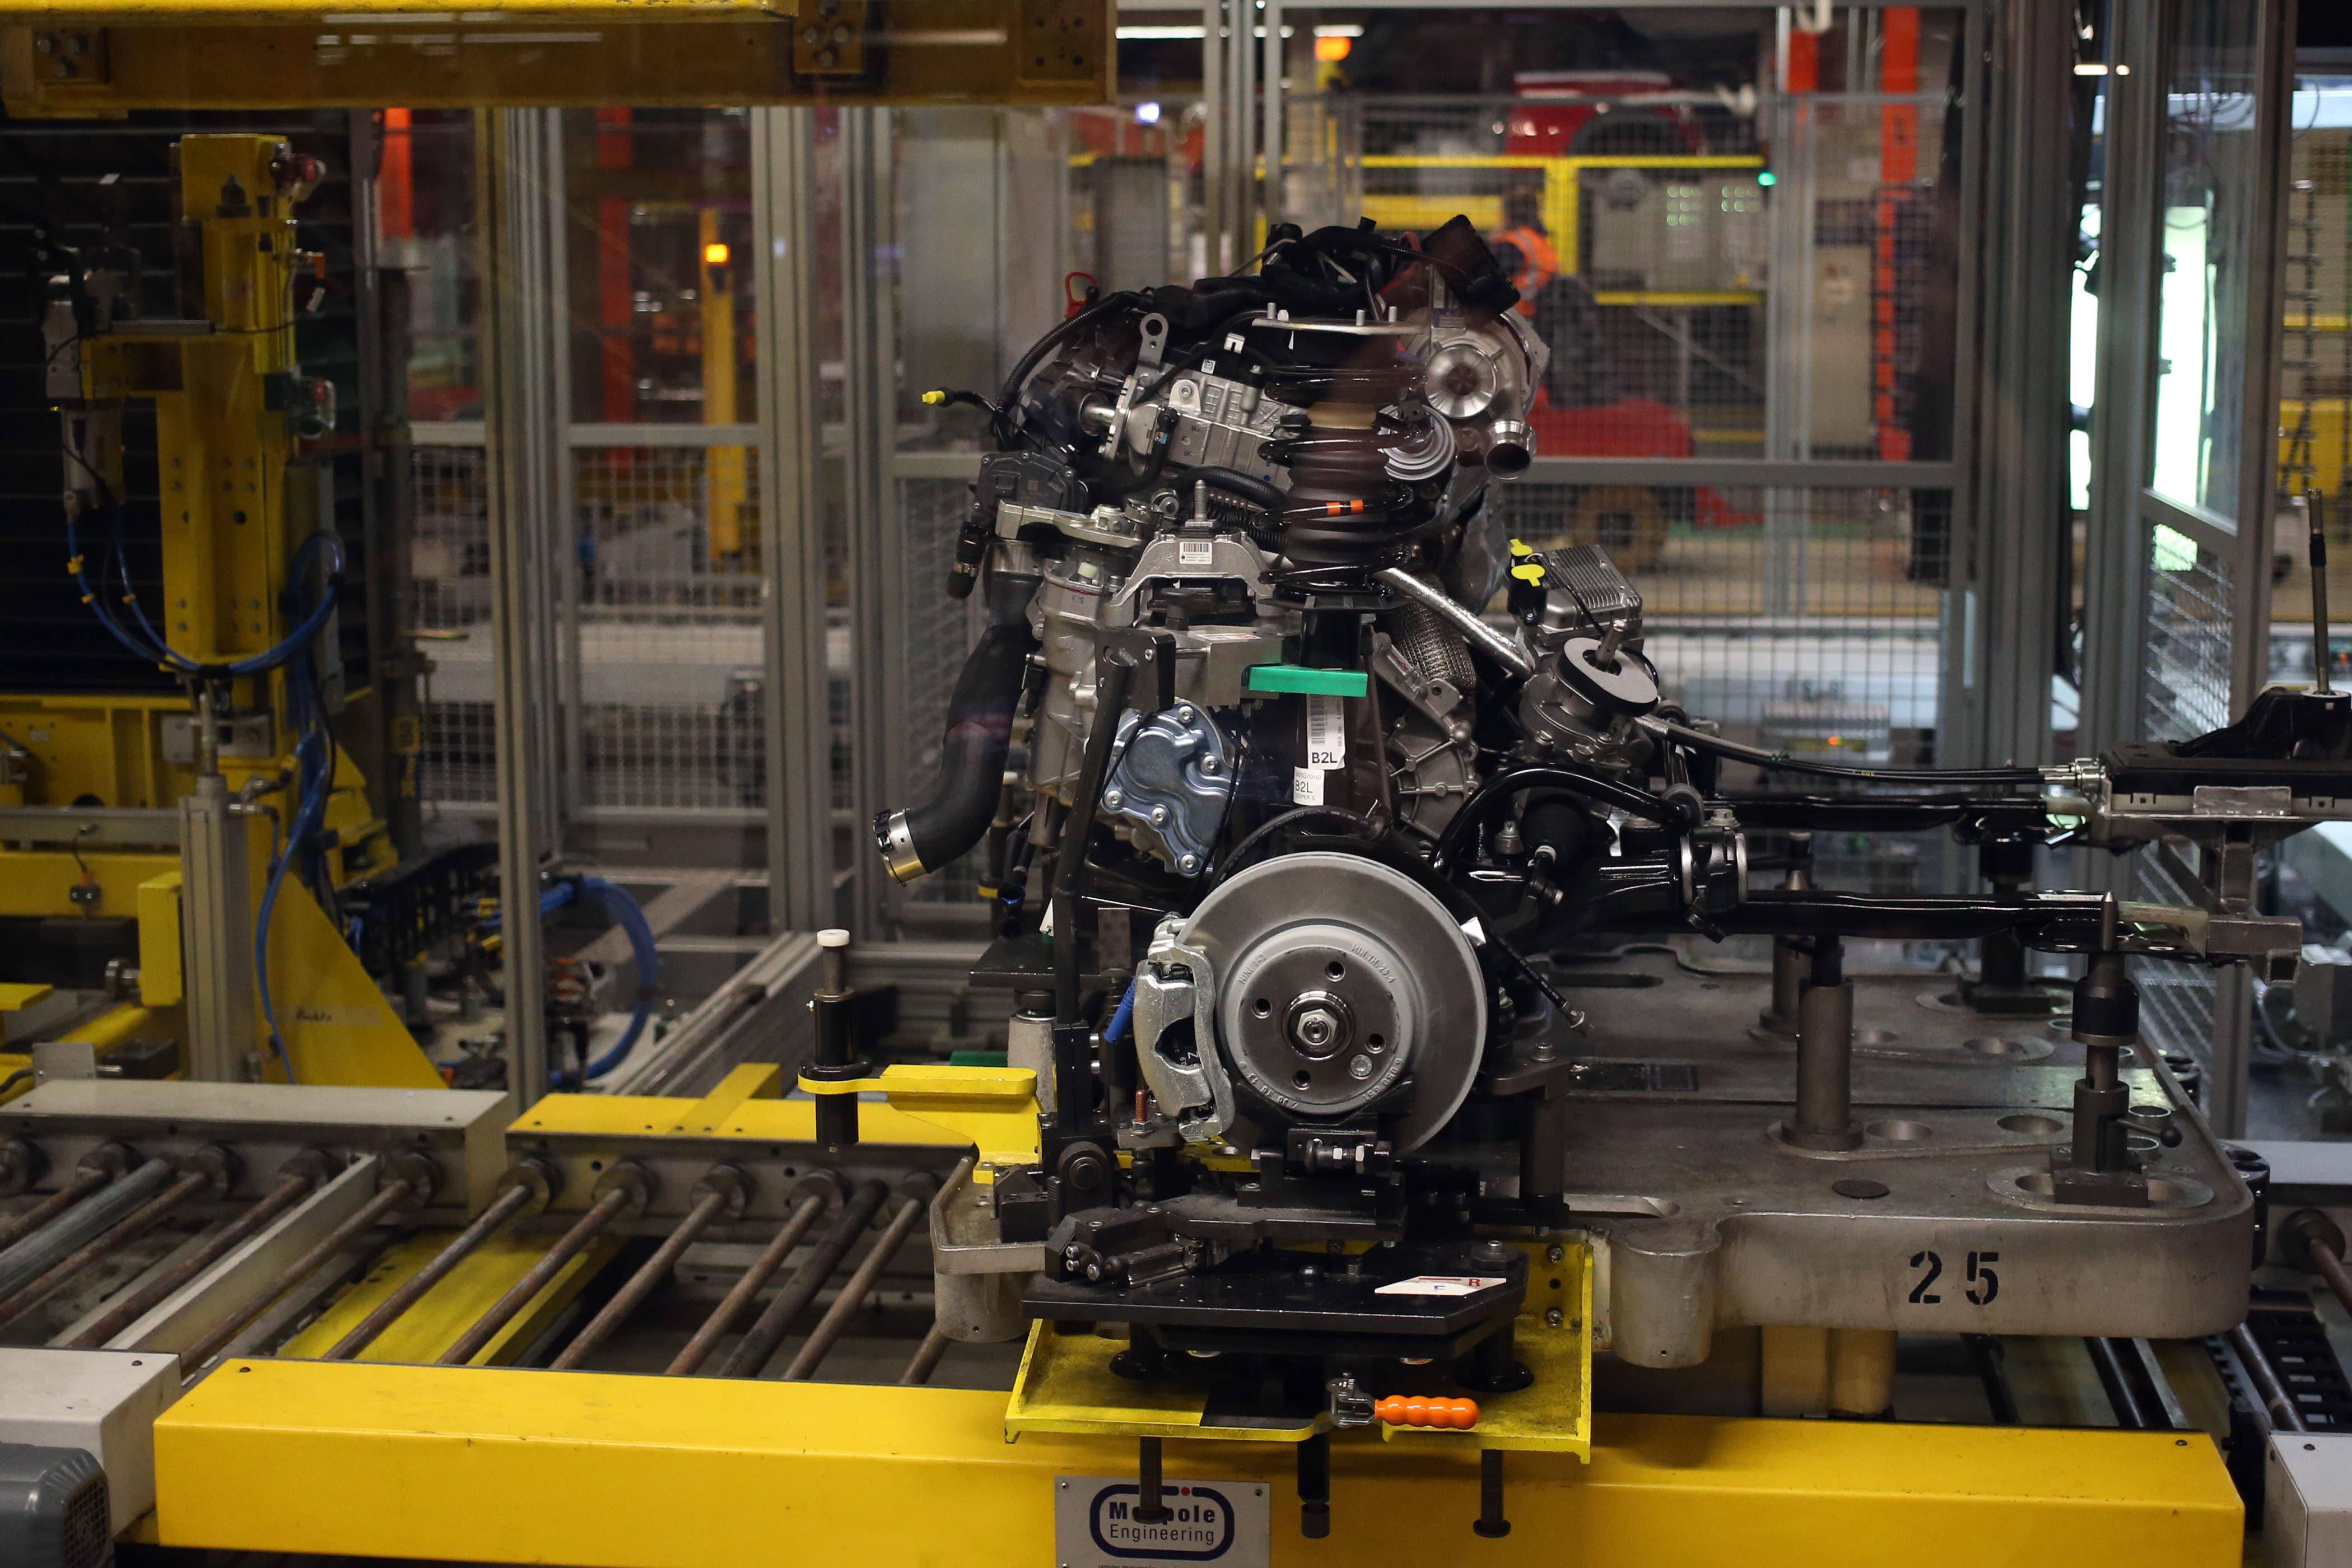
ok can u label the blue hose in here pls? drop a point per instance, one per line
(630, 917)
(1115, 1030)
(627, 914)
(314, 764)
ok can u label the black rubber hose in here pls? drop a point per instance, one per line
(1756, 757)
(921, 839)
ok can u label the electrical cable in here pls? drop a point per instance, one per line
(1756, 756)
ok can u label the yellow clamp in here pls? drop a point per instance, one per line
(1531, 572)
(995, 1107)
(73, 567)
(1520, 546)
(935, 397)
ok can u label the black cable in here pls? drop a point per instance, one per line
(1756, 756)
(1265, 829)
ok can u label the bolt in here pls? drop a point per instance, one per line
(1159, 816)
(1555, 1253)
(1184, 715)
(1114, 799)
(811, 36)
(1359, 1067)
(1209, 765)
(1554, 1317)
(1190, 863)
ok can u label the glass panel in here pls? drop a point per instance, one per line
(658, 265)
(425, 218)
(2213, 168)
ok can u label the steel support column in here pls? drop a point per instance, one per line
(524, 449)
(792, 523)
(876, 555)
(2009, 555)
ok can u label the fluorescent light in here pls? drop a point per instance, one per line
(1147, 114)
(1338, 30)
(1149, 33)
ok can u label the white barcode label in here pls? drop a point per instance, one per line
(1326, 731)
(1440, 1285)
(1307, 786)
(1196, 552)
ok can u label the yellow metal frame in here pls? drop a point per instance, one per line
(228, 539)
(209, 54)
(494, 1465)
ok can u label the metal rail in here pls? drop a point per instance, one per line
(914, 1198)
(2264, 1377)
(400, 1192)
(752, 1356)
(35, 1255)
(137, 1223)
(717, 1199)
(304, 1173)
(763, 1268)
(927, 1358)
(94, 1176)
(412, 1290)
(618, 1194)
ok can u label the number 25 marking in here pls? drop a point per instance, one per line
(1984, 1284)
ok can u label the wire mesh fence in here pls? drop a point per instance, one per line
(2187, 640)
(1804, 619)
(665, 646)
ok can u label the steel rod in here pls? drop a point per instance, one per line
(927, 1358)
(37, 1253)
(398, 1193)
(412, 1290)
(2330, 1266)
(585, 1230)
(755, 1279)
(751, 1356)
(130, 1228)
(2122, 1398)
(640, 1285)
(289, 1191)
(835, 1321)
(14, 1230)
(2284, 1416)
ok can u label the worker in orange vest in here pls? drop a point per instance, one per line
(1524, 249)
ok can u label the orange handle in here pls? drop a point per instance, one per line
(1413, 1410)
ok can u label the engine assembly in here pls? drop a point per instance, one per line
(1295, 855)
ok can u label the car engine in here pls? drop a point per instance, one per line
(1286, 841)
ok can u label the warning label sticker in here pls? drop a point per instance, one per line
(1222, 1522)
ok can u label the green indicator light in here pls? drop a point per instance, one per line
(1768, 178)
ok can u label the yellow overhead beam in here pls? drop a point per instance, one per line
(479, 1464)
(107, 57)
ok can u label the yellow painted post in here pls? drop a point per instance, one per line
(725, 475)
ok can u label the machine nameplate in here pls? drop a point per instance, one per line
(1221, 1522)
